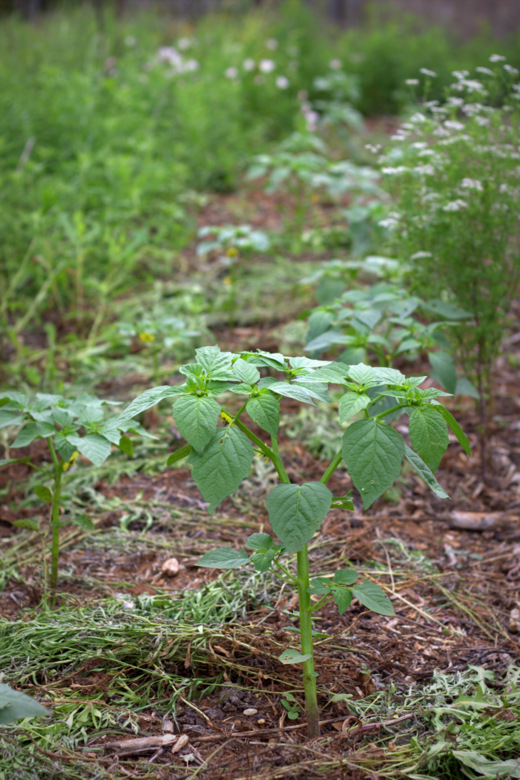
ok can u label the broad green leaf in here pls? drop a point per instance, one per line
(320, 586)
(464, 387)
(196, 417)
(373, 597)
(143, 402)
(262, 560)
(297, 511)
(43, 493)
(373, 453)
(27, 524)
(265, 359)
(179, 454)
(126, 446)
(317, 390)
(65, 449)
(305, 362)
(217, 364)
(264, 409)
(319, 322)
(444, 370)
(246, 372)
(259, 542)
(345, 576)
(364, 375)
(83, 522)
(32, 431)
(333, 373)
(291, 656)
(15, 705)
(224, 558)
(455, 427)
(429, 435)
(94, 447)
(343, 598)
(486, 767)
(8, 417)
(291, 391)
(424, 472)
(390, 376)
(225, 462)
(351, 404)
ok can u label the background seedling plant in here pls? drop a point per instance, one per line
(385, 322)
(70, 428)
(220, 447)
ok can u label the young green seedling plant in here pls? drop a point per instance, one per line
(70, 428)
(221, 446)
(384, 322)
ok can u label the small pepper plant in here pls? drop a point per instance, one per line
(70, 428)
(221, 446)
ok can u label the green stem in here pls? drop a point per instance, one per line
(389, 411)
(333, 465)
(55, 520)
(321, 603)
(304, 599)
(309, 675)
(288, 576)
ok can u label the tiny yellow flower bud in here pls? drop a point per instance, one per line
(148, 338)
(225, 416)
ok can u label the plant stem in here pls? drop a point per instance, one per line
(309, 675)
(302, 581)
(333, 465)
(55, 520)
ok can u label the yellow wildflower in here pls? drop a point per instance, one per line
(148, 338)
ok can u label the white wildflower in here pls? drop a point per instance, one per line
(418, 118)
(412, 82)
(282, 82)
(452, 124)
(485, 71)
(184, 43)
(425, 170)
(190, 66)
(457, 102)
(389, 223)
(335, 64)
(266, 66)
(420, 255)
(511, 70)
(455, 205)
(460, 74)
(496, 58)
(472, 184)
(231, 73)
(397, 171)
(419, 145)
(248, 64)
(169, 55)
(426, 72)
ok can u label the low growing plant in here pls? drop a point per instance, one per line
(382, 323)
(70, 428)
(221, 446)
